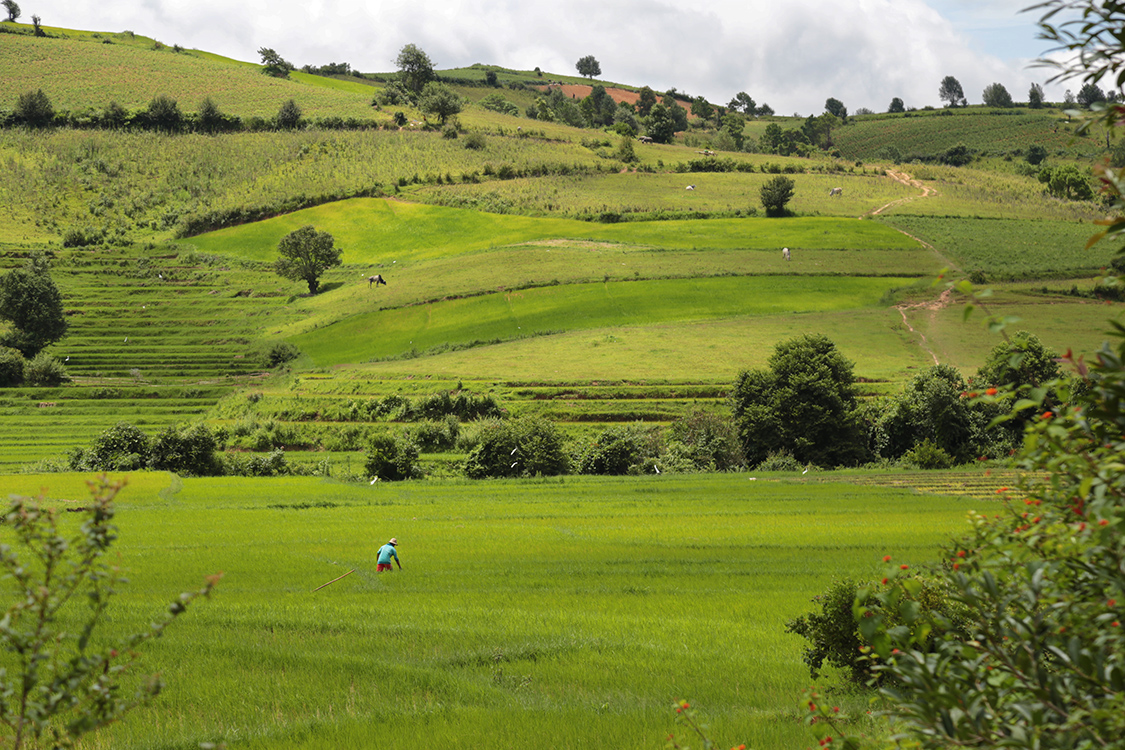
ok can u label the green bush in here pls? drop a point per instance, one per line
(928, 455)
(280, 353)
(250, 465)
(392, 458)
(45, 371)
(708, 440)
(11, 367)
(780, 461)
(435, 434)
(185, 450)
(617, 450)
(834, 637)
(123, 447)
(528, 446)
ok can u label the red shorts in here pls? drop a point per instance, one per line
(380, 567)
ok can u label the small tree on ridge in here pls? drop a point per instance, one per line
(305, 255)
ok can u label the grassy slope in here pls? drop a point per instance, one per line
(138, 184)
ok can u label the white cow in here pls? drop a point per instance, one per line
(785, 253)
(836, 191)
(690, 187)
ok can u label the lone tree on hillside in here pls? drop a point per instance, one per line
(896, 105)
(274, 64)
(415, 69)
(32, 305)
(305, 255)
(776, 194)
(439, 100)
(995, 95)
(837, 108)
(952, 93)
(588, 66)
(164, 113)
(1089, 94)
(1035, 96)
(13, 9)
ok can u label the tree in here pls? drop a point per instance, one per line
(208, 119)
(63, 677)
(36, 22)
(305, 255)
(274, 64)
(645, 101)
(392, 459)
(896, 106)
(805, 403)
(439, 100)
(678, 114)
(775, 194)
(837, 108)
(735, 125)
(163, 113)
(32, 305)
(742, 101)
(34, 109)
(588, 66)
(415, 69)
(114, 115)
(702, 108)
(1036, 154)
(522, 447)
(659, 126)
(289, 115)
(13, 9)
(1090, 94)
(951, 92)
(995, 95)
(764, 110)
(1035, 96)
(1067, 181)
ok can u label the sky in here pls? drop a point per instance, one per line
(791, 54)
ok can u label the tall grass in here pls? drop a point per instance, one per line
(532, 614)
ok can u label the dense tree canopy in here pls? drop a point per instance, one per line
(1035, 96)
(34, 109)
(805, 404)
(588, 66)
(415, 69)
(32, 306)
(896, 105)
(951, 92)
(836, 108)
(305, 255)
(995, 95)
(439, 100)
(776, 193)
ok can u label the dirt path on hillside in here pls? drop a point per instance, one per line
(909, 181)
(933, 307)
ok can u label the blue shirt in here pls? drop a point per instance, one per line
(386, 552)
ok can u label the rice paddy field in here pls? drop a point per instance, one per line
(563, 613)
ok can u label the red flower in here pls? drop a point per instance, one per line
(956, 566)
(884, 581)
(991, 391)
(886, 558)
(1103, 522)
(1111, 603)
(903, 567)
(961, 553)
(1047, 415)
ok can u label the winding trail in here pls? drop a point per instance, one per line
(943, 300)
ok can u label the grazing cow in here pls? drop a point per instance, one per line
(836, 191)
(785, 253)
(376, 280)
(644, 139)
(690, 187)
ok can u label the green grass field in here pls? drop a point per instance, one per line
(554, 614)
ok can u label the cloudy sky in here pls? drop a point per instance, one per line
(791, 54)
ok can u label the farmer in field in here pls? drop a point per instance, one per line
(386, 552)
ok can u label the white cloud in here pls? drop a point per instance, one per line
(793, 54)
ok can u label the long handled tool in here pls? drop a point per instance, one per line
(318, 588)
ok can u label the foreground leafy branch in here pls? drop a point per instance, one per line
(57, 682)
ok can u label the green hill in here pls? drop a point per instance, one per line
(529, 261)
